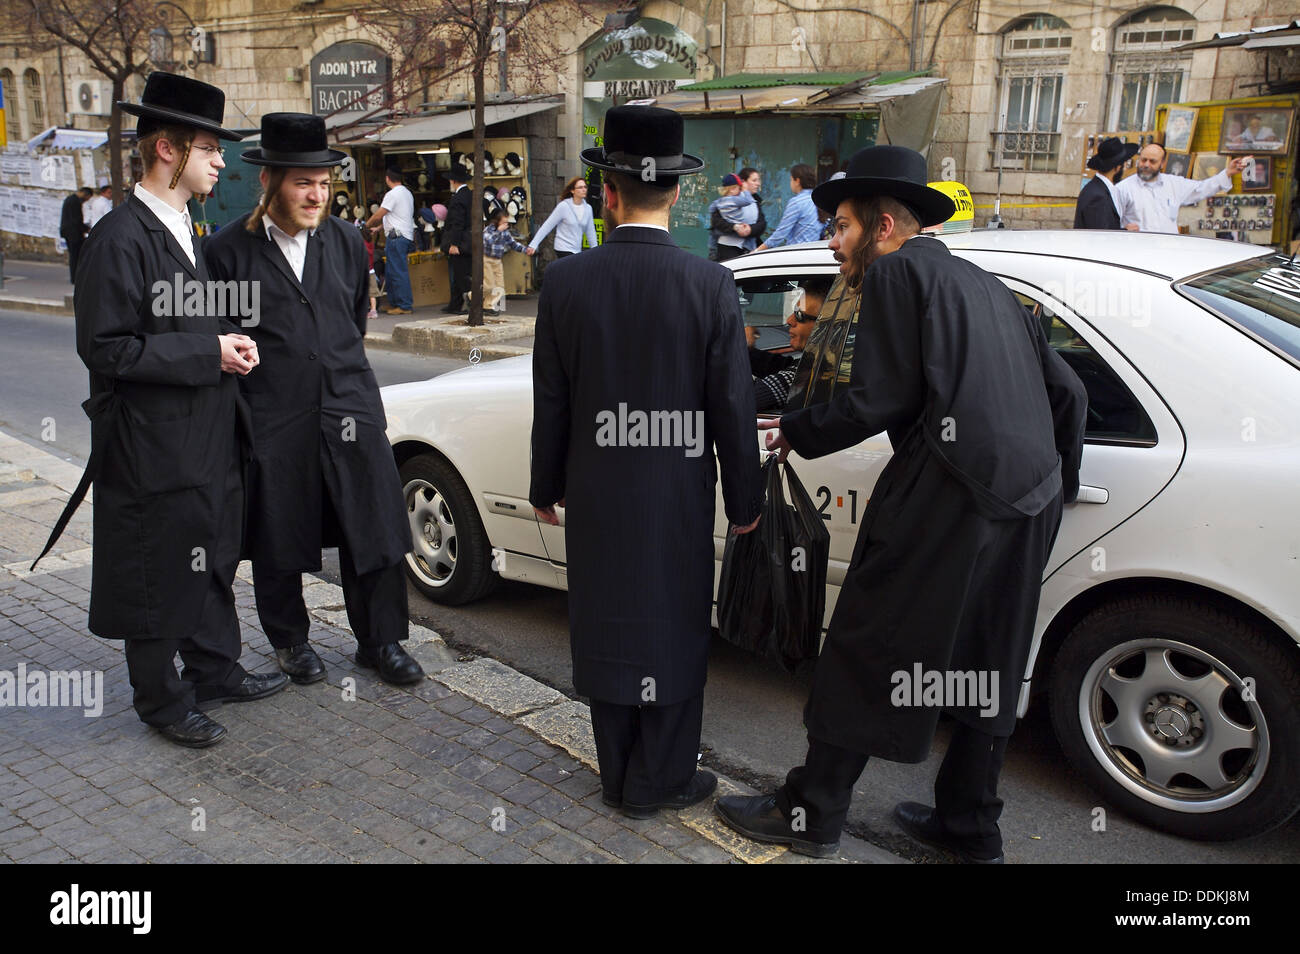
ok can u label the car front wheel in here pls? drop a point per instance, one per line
(451, 558)
(1185, 716)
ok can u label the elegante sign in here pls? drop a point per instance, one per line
(349, 76)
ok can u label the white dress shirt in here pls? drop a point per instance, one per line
(1154, 205)
(294, 246)
(95, 209)
(641, 225)
(178, 223)
(1110, 187)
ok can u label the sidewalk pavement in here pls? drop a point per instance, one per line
(476, 763)
(44, 287)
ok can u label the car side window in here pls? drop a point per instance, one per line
(1114, 414)
(828, 356)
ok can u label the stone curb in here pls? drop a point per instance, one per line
(446, 336)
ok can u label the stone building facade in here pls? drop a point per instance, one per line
(1027, 82)
(1044, 76)
(260, 53)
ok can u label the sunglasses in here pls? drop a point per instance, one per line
(803, 316)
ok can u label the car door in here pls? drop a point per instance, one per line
(1133, 444)
(839, 484)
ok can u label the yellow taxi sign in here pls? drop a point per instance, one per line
(963, 220)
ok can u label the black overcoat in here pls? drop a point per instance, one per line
(987, 426)
(1095, 208)
(456, 231)
(638, 324)
(318, 421)
(167, 420)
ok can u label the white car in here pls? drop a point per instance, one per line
(1166, 639)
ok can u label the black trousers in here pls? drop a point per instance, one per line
(376, 601)
(74, 253)
(647, 753)
(461, 271)
(965, 790)
(210, 655)
(728, 251)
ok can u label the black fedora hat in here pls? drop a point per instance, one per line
(894, 171)
(294, 140)
(1111, 152)
(635, 133)
(170, 99)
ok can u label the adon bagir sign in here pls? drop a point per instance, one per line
(348, 76)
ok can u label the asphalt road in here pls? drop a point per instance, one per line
(752, 708)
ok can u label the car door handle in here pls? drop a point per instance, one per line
(1092, 495)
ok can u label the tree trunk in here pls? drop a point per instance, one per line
(115, 137)
(476, 205)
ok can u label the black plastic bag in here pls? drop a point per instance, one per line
(772, 592)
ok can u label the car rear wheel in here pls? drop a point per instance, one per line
(1183, 715)
(451, 558)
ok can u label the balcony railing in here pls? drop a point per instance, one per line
(1024, 151)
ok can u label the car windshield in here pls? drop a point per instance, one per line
(1260, 295)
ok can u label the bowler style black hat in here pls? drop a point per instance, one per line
(633, 133)
(294, 140)
(893, 171)
(1111, 153)
(172, 100)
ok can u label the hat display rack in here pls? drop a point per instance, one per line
(505, 186)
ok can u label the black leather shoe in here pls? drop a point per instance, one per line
(301, 664)
(759, 818)
(195, 731)
(253, 686)
(701, 786)
(921, 822)
(394, 665)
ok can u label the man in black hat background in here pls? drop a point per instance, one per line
(168, 431)
(323, 473)
(1098, 205)
(634, 328)
(73, 228)
(456, 240)
(986, 423)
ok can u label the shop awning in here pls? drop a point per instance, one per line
(58, 138)
(1278, 34)
(809, 93)
(907, 103)
(442, 126)
(364, 122)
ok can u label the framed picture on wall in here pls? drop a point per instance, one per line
(1255, 130)
(1180, 126)
(1258, 175)
(1178, 163)
(1207, 164)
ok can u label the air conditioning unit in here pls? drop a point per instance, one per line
(91, 98)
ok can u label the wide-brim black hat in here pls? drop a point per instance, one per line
(635, 133)
(894, 171)
(1111, 153)
(173, 100)
(294, 141)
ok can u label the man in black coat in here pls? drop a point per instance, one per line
(937, 608)
(639, 372)
(169, 435)
(72, 227)
(323, 473)
(457, 243)
(1097, 208)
